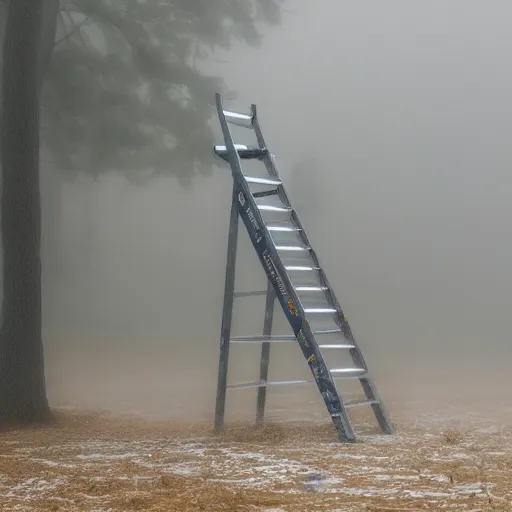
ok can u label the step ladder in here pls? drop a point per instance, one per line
(295, 279)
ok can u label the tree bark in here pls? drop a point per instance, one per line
(22, 382)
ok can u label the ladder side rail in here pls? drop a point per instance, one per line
(227, 315)
(340, 317)
(265, 353)
(273, 170)
(356, 354)
(259, 235)
(283, 287)
(297, 320)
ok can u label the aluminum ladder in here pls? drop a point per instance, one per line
(295, 278)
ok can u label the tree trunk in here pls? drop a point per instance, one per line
(22, 383)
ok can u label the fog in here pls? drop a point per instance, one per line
(404, 109)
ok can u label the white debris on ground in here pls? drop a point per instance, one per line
(417, 466)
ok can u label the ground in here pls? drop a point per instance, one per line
(100, 463)
(134, 433)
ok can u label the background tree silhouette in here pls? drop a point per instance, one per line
(125, 92)
(22, 384)
(122, 91)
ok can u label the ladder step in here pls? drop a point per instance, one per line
(338, 346)
(244, 152)
(282, 228)
(348, 373)
(238, 119)
(266, 384)
(296, 248)
(299, 268)
(250, 294)
(311, 288)
(357, 403)
(271, 208)
(348, 370)
(263, 181)
(327, 331)
(319, 311)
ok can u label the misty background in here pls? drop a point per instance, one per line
(404, 109)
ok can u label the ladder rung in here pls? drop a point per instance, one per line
(238, 119)
(311, 288)
(349, 372)
(357, 403)
(340, 346)
(258, 338)
(348, 377)
(281, 228)
(300, 268)
(315, 311)
(262, 337)
(295, 248)
(250, 294)
(265, 384)
(244, 152)
(263, 181)
(270, 208)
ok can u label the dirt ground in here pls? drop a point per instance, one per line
(154, 450)
(99, 463)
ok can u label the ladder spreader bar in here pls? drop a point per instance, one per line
(261, 337)
(250, 294)
(263, 384)
(255, 338)
(356, 403)
(284, 339)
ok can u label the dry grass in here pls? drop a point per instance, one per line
(99, 463)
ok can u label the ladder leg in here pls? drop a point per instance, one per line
(227, 314)
(378, 409)
(265, 354)
(370, 391)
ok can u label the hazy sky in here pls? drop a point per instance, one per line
(406, 108)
